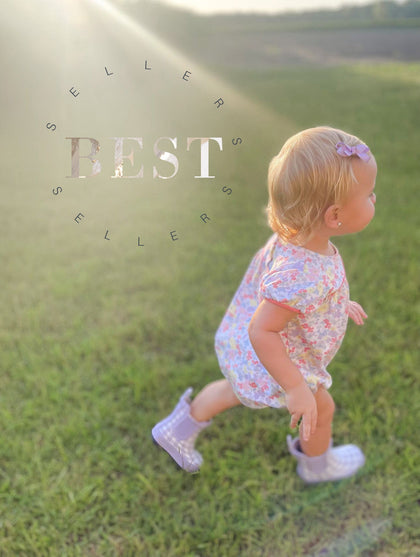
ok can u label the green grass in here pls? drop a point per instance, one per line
(99, 340)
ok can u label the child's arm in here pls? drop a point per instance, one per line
(263, 330)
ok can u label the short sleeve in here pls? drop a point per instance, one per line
(294, 286)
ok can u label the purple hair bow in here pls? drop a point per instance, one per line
(361, 150)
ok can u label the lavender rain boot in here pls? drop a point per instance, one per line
(178, 432)
(335, 464)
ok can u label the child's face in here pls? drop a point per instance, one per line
(359, 208)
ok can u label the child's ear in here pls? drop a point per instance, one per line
(331, 217)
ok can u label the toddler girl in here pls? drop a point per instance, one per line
(289, 314)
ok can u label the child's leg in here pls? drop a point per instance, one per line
(318, 460)
(319, 442)
(213, 399)
(177, 432)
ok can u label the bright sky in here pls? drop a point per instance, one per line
(267, 6)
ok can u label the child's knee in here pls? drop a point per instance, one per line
(325, 405)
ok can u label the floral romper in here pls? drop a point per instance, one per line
(312, 285)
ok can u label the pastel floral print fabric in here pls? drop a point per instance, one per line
(312, 285)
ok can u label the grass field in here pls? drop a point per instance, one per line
(98, 342)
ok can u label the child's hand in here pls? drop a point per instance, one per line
(356, 312)
(301, 404)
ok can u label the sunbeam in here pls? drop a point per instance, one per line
(206, 80)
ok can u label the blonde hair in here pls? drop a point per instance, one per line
(305, 178)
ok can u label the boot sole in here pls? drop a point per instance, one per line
(178, 465)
